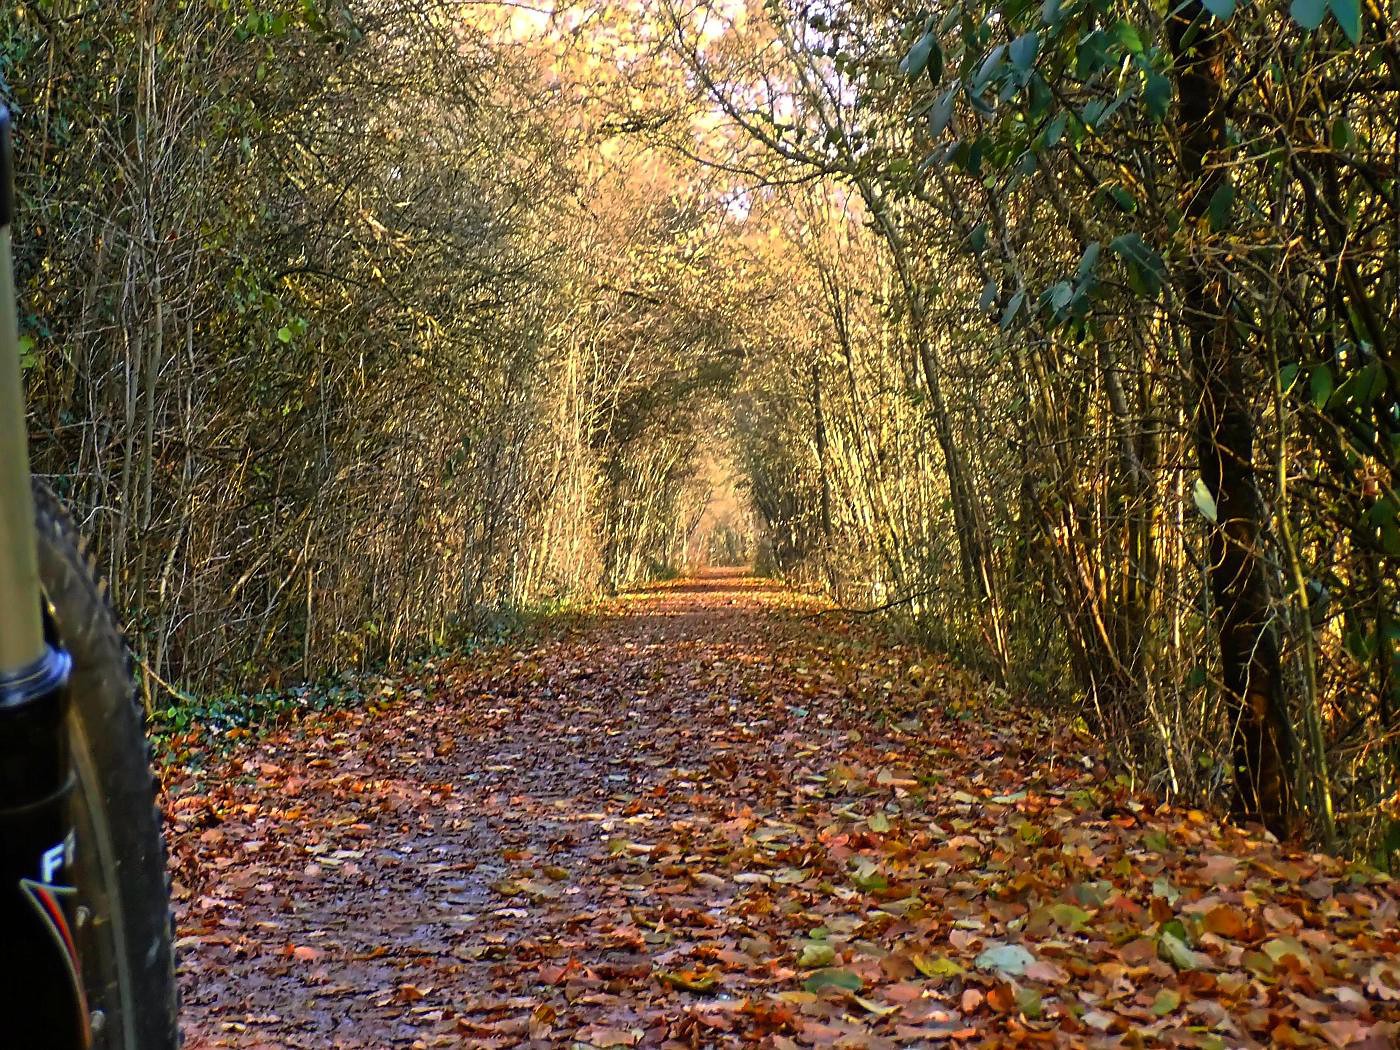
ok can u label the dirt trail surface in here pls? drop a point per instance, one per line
(699, 817)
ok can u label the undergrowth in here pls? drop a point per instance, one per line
(192, 728)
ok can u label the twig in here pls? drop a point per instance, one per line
(174, 691)
(873, 609)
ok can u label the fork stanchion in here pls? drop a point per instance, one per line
(41, 989)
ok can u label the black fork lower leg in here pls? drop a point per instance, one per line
(41, 992)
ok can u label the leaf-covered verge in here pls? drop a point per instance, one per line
(704, 816)
(196, 728)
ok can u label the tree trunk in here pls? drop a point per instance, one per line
(1224, 431)
(820, 422)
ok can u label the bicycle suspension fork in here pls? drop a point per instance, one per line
(41, 997)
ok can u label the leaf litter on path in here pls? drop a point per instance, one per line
(700, 818)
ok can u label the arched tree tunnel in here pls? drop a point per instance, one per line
(1020, 380)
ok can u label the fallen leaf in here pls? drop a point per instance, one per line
(1007, 959)
(816, 953)
(833, 978)
(1176, 951)
(1167, 1000)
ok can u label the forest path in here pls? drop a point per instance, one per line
(699, 817)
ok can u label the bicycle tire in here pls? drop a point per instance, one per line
(123, 925)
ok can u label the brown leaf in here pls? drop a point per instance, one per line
(1226, 922)
(603, 1036)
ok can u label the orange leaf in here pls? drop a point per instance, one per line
(1226, 921)
(1002, 998)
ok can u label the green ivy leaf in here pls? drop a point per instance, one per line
(1221, 203)
(1321, 385)
(1363, 387)
(1012, 309)
(1123, 199)
(1023, 50)
(941, 113)
(1382, 512)
(1360, 643)
(1157, 95)
(1343, 137)
(27, 357)
(1088, 261)
(1127, 35)
(971, 160)
(1059, 295)
(1390, 538)
(934, 69)
(1041, 97)
(989, 68)
(1142, 259)
(1092, 55)
(1308, 13)
(1348, 16)
(921, 55)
